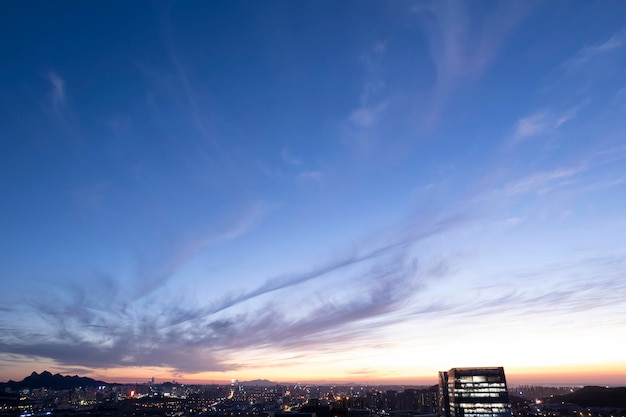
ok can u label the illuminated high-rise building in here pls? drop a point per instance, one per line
(473, 392)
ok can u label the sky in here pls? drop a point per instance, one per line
(355, 191)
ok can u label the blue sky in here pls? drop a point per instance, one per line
(313, 191)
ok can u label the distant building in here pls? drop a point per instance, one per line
(423, 400)
(473, 392)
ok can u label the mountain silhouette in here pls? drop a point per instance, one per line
(258, 383)
(49, 381)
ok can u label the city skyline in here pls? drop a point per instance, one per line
(313, 191)
(518, 381)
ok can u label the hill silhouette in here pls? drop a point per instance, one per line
(258, 383)
(595, 397)
(49, 381)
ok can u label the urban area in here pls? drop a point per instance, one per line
(461, 392)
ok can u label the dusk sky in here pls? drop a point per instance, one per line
(354, 191)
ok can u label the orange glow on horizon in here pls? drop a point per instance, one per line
(613, 374)
(609, 374)
(598, 374)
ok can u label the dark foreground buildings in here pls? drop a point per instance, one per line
(473, 392)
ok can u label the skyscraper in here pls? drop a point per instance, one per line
(473, 392)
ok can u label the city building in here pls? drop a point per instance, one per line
(473, 392)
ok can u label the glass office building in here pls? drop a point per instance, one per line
(473, 392)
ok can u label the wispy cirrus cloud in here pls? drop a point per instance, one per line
(154, 272)
(403, 239)
(372, 104)
(579, 286)
(57, 101)
(379, 291)
(462, 47)
(57, 94)
(362, 126)
(583, 288)
(540, 123)
(589, 53)
(593, 171)
(542, 181)
(368, 115)
(116, 331)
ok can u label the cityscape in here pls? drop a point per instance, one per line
(312, 208)
(461, 392)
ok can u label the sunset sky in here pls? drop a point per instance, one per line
(353, 191)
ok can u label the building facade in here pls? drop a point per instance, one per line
(473, 392)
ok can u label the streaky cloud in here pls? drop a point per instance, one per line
(462, 47)
(58, 88)
(56, 105)
(81, 333)
(542, 181)
(281, 282)
(580, 286)
(589, 53)
(540, 123)
(367, 116)
(154, 273)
